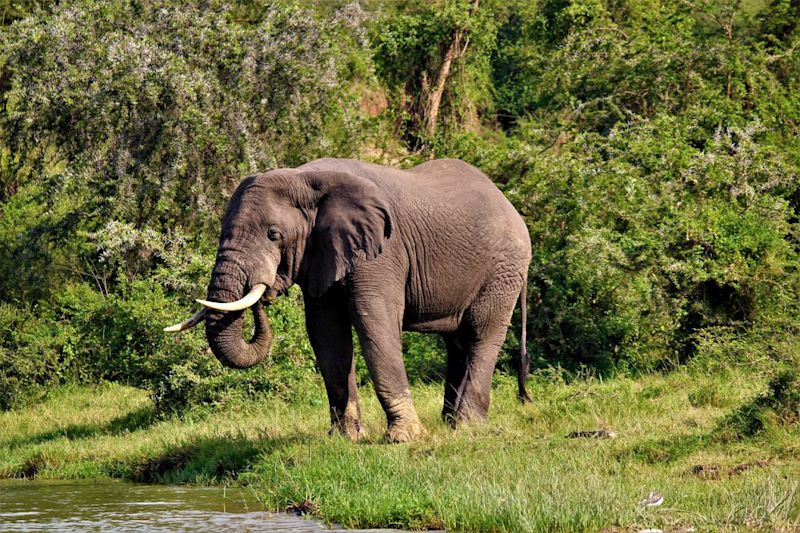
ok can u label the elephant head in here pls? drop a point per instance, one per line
(284, 227)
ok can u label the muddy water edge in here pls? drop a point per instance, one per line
(122, 506)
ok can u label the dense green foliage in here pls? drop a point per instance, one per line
(124, 128)
(652, 147)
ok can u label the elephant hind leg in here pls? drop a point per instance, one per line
(472, 351)
(455, 376)
(470, 365)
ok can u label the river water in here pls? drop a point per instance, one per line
(120, 506)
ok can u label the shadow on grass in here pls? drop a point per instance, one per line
(135, 420)
(666, 450)
(779, 405)
(200, 461)
(205, 460)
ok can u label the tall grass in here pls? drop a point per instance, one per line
(516, 472)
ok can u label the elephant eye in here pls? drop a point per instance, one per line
(275, 234)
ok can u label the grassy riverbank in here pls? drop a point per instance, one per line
(720, 456)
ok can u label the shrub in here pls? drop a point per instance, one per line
(185, 372)
(780, 404)
(146, 116)
(425, 357)
(122, 337)
(35, 353)
(643, 243)
(653, 154)
(124, 126)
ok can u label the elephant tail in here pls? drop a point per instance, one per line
(523, 361)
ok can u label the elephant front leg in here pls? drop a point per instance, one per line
(345, 409)
(378, 325)
(329, 330)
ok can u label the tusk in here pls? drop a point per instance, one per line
(252, 297)
(188, 323)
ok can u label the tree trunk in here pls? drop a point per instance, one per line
(432, 91)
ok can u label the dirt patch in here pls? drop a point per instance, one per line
(373, 102)
(303, 508)
(738, 469)
(716, 471)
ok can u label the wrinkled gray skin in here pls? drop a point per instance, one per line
(436, 248)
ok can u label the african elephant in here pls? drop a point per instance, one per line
(436, 248)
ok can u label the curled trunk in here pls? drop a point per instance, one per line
(224, 333)
(224, 328)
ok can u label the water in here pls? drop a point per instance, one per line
(120, 506)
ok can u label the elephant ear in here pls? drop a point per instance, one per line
(352, 221)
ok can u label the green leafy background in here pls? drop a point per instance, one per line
(651, 146)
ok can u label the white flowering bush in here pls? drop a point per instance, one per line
(151, 113)
(124, 127)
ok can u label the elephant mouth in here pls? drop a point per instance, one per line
(267, 276)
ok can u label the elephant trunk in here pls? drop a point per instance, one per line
(224, 333)
(224, 328)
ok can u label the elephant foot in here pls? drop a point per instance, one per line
(404, 424)
(353, 431)
(348, 424)
(404, 431)
(465, 408)
(457, 420)
(454, 419)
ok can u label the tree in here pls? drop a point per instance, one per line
(417, 55)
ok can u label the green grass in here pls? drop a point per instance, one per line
(676, 434)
